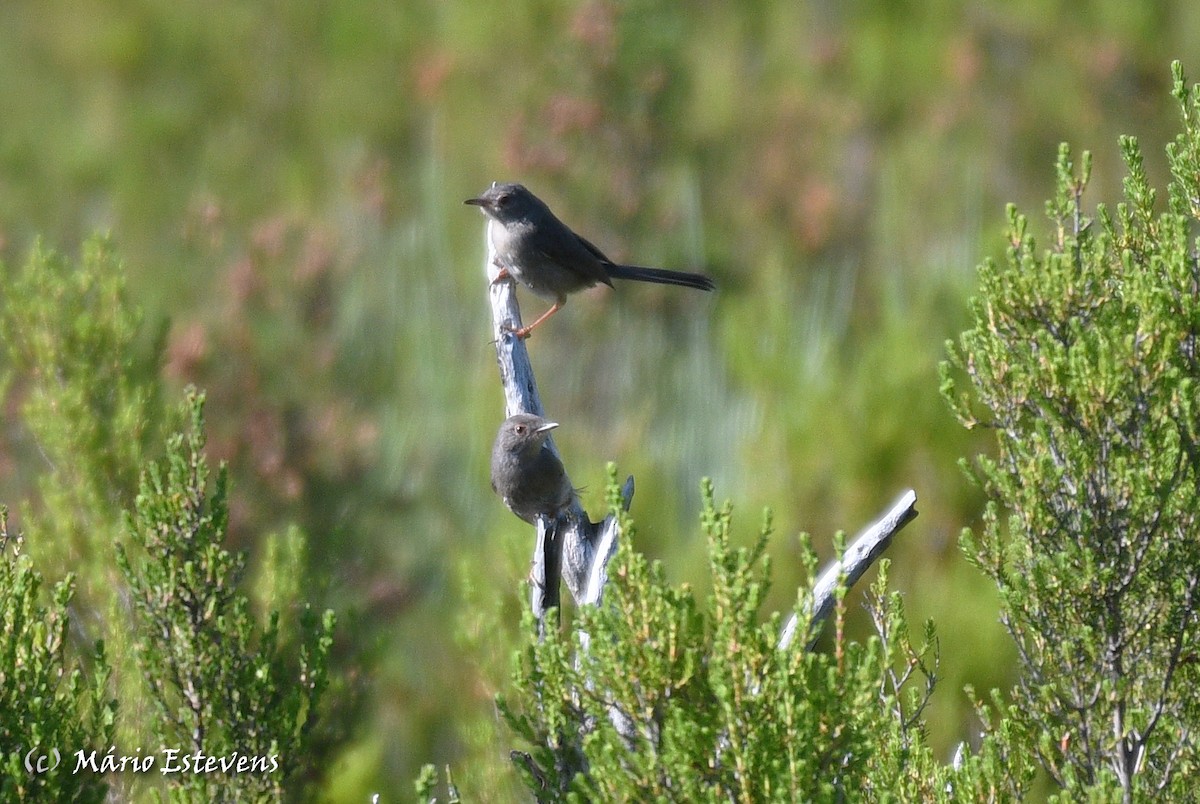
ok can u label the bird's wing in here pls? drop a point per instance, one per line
(582, 256)
(590, 246)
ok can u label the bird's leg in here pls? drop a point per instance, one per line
(523, 332)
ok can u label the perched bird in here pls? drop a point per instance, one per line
(542, 253)
(525, 473)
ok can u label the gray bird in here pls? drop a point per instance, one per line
(543, 254)
(525, 473)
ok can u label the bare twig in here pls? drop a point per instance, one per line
(858, 558)
(571, 543)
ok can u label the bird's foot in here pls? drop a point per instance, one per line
(521, 333)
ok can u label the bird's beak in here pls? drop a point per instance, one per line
(481, 201)
(547, 427)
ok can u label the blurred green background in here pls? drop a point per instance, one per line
(285, 182)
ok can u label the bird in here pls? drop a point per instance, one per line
(541, 252)
(526, 473)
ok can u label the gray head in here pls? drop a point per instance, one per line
(523, 433)
(508, 202)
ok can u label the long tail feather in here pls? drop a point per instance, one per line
(639, 274)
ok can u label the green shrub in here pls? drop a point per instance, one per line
(50, 706)
(218, 675)
(1084, 359)
(657, 696)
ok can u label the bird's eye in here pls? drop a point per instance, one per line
(504, 199)
(520, 429)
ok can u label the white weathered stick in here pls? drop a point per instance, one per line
(858, 558)
(572, 543)
(602, 546)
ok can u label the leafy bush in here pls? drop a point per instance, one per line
(1084, 360)
(46, 703)
(655, 696)
(232, 680)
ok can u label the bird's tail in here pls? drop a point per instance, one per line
(639, 274)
